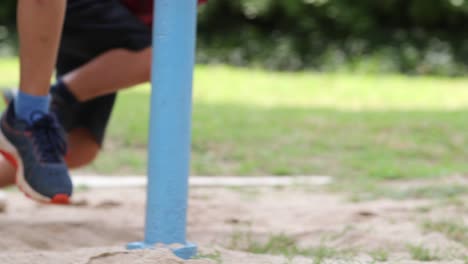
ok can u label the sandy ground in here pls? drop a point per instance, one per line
(224, 222)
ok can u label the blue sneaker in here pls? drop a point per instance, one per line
(37, 152)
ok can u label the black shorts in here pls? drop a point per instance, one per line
(93, 27)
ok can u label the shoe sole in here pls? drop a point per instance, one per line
(11, 155)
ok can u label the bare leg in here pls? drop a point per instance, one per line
(110, 72)
(7, 173)
(82, 148)
(39, 24)
(94, 79)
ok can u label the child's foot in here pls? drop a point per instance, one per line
(66, 113)
(37, 152)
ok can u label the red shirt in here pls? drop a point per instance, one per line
(143, 9)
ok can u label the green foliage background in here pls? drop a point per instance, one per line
(7, 22)
(411, 36)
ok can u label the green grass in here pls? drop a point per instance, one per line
(379, 255)
(253, 122)
(365, 191)
(284, 245)
(277, 245)
(215, 257)
(421, 253)
(452, 229)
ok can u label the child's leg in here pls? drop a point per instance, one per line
(83, 148)
(120, 57)
(104, 48)
(108, 73)
(39, 26)
(7, 173)
(30, 138)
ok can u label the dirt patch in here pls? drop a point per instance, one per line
(285, 222)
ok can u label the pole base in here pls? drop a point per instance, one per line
(186, 251)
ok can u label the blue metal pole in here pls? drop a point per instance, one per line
(170, 126)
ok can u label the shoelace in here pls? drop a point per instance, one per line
(48, 137)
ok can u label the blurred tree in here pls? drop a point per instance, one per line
(7, 22)
(413, 36)
(7, 12)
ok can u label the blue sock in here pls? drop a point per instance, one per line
(26, 105)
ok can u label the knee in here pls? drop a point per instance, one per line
(144, 62)
(77, 158)
(7, 173)
(82, 148)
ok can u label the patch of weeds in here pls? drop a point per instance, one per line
(240, 240)
(277, 245)
(281, 244)
(247, 194)
(421, 253)
(424, 209)
(339, 234)
(455, 230)
(359, 190)
(379, 255)
(322, 252)
(423, 192)
(433, 192)
(215, 256)
(279, 188)
(458, 202)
